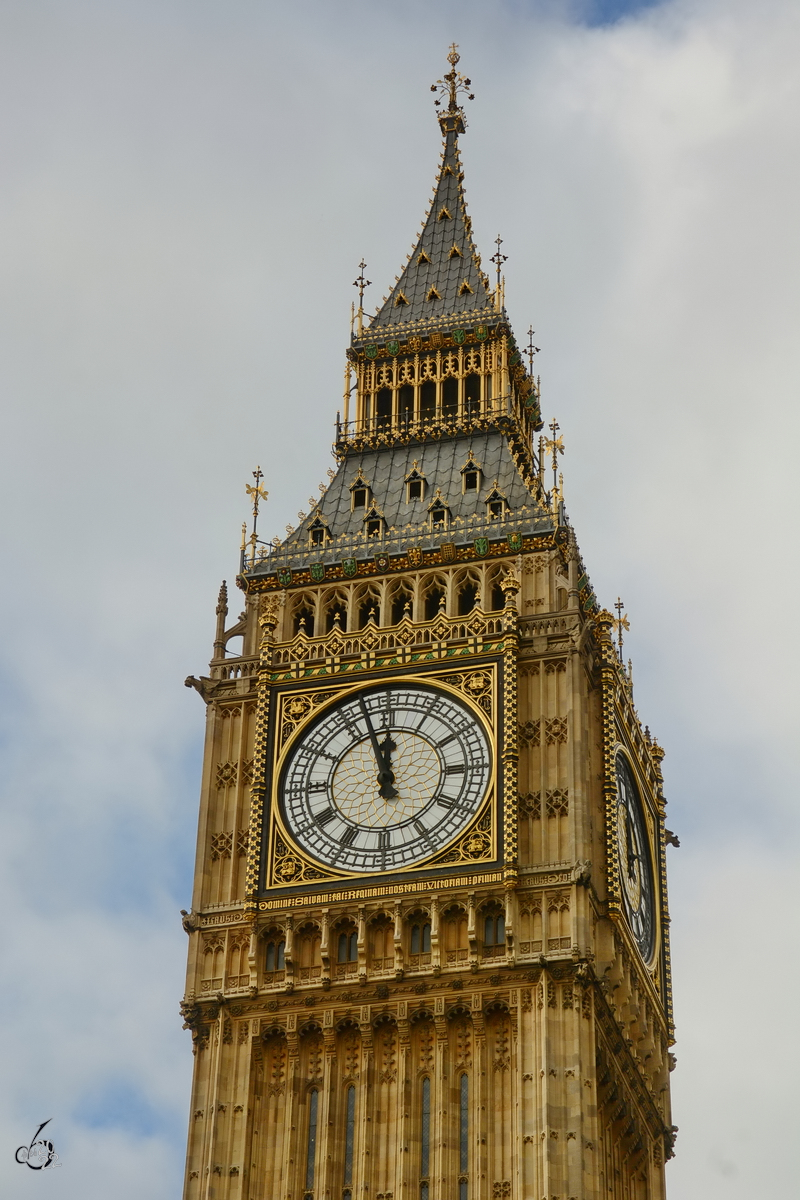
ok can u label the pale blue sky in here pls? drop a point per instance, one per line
(187, 188)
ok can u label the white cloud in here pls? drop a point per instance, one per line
(186, 193)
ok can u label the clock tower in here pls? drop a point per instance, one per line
(428, 945)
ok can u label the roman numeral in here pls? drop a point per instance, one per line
(384, 839)
(348, 837)
(320, 787)
(326, 815)
(456, 769)
(446, 741)
(443, 802)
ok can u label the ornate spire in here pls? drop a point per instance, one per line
(443, 278)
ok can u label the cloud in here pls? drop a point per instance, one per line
(187, 192)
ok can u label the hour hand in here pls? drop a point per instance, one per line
(385, 773)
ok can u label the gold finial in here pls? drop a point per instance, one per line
(258, 494)
(361, 283)
(620, 623)
(452, 83)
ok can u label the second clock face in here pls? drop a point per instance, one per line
(386, 778)
(636, 876)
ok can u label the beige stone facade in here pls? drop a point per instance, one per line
(560, 1029)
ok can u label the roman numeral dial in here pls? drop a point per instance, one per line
(635, 869)
(385, 778)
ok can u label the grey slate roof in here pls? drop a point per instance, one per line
(440, 462)
(446, 272)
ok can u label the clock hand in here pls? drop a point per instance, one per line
(385, 773)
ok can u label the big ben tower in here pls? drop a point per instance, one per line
(428, 954)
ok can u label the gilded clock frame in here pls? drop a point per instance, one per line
(285, 865)
(650, 819)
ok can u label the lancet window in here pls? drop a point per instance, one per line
(494, 931)
(418, 943)
(311, 1145)
(454, 935)
(382, 944)
(463, 1137)
(274, 961)
(349, 1140)
(425, 1140)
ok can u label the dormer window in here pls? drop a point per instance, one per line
(438, 512)
(495, 505)
(415, 484)
(316, 533)
(471, 476)
(359, 493)
(373, 523)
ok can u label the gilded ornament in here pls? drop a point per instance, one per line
(415, 556)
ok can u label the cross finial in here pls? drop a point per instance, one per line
(531, 349)
(621, 623)
(555, 445)
(361, 283)
(498, 259)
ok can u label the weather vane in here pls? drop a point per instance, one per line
(621, 622)
(498, 259)
(453, 82)
(258, 494)
(556, 446)
(531, 350)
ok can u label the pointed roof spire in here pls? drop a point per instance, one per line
(443, 280)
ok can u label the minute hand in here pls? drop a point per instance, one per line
(385, 774)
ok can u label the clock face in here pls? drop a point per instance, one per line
(386, 778)
(635, 872)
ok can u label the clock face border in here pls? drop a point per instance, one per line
(484, 826)
(646, 824)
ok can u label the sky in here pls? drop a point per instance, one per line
(186, 189)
